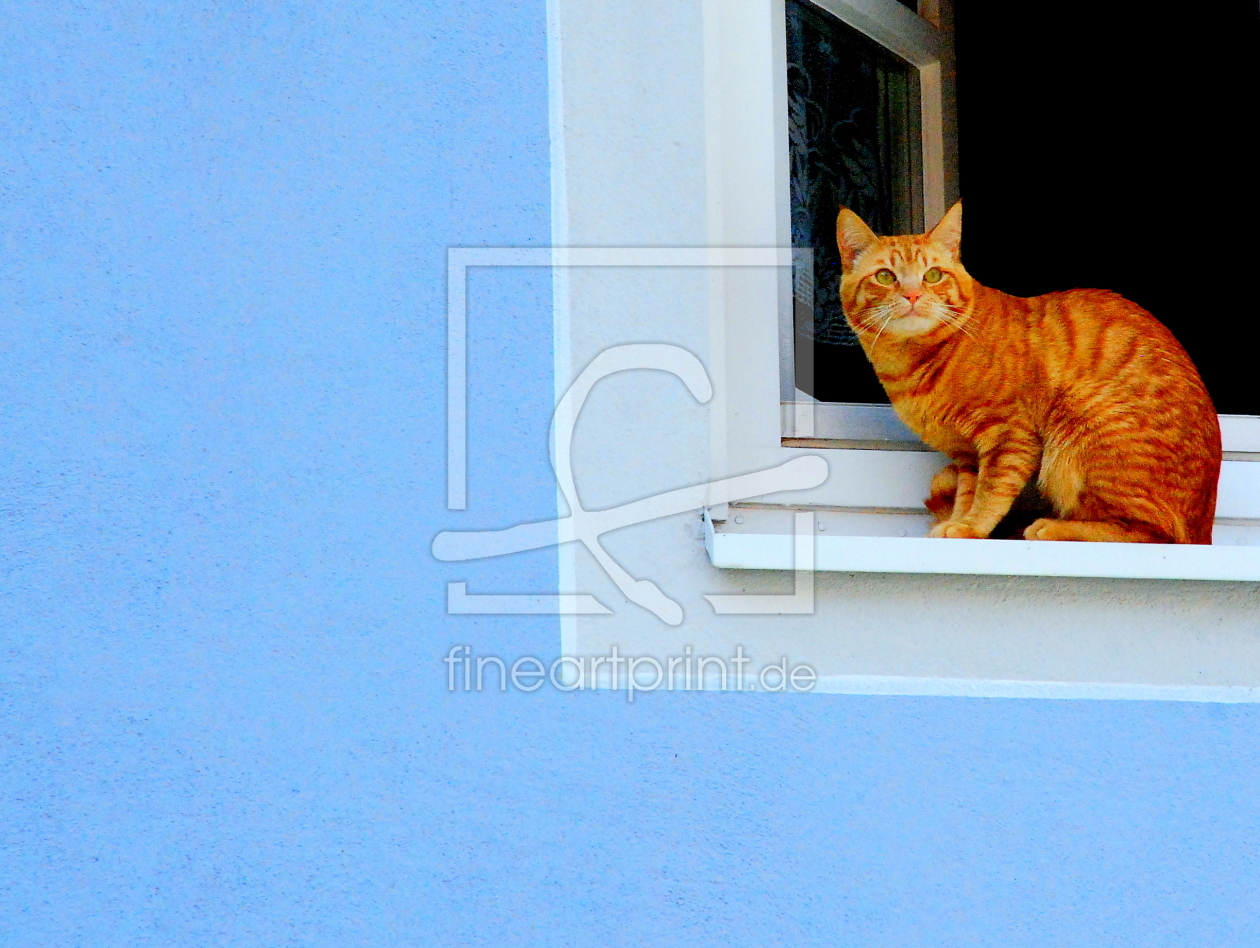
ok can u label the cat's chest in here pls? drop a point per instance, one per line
(936, 427)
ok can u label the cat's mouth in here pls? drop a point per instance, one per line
(920, 317)
(906, 320)
(913, 321)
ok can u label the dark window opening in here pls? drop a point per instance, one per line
(1100, 145)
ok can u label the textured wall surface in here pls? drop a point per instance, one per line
(224, 713)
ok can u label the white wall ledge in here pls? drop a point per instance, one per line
(892, 685)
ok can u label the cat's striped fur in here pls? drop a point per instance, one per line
(1082, 390)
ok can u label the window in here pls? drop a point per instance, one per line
(777, 167)
(765, 419)
(670, 130)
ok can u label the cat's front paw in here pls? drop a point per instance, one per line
(954, 530)
(1043, 529)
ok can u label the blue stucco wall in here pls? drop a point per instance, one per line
(225, 717)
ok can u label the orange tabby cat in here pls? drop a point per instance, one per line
(1082, 390)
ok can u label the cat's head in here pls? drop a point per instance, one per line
(901, 287)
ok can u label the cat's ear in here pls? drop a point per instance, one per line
(852, 237)
(948, 232)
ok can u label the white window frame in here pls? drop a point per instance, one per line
(759, 419)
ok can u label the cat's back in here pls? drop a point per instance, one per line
(1101, 336)
(1124, 407)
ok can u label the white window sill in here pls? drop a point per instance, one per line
(872, 542)
(808, 423)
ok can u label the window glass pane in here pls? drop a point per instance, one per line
(854, 142)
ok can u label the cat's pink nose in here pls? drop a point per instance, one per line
(912, 295)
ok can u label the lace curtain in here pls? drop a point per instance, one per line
(852, 129)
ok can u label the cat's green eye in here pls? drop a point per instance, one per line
(933, 275)
(886, 277)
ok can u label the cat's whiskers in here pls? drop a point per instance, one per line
(881, 313)
(959, 324)
(879, 317)
(953, 316)
(872, 315)
(892, 314)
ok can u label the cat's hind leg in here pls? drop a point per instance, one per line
(1095, 531)
(1113, 505)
